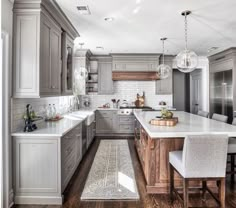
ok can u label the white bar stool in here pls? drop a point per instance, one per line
(203, 113)
(219, 117)
(203, 158)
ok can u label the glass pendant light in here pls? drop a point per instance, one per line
(163, 69)
(187, 60)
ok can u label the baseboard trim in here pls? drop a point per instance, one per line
(38, 200)
(11, 198)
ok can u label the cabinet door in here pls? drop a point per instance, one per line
(104, 125)
(67, 64)
(45, 83)
(78, 147)
(105, 83)
(25, 56)
(104, 121)
(50, 69)
(36, 166)
(55, 61)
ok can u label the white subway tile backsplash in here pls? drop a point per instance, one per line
(123, 90)
(39, 105)
(127, 90)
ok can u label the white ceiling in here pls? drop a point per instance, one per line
(139, 25)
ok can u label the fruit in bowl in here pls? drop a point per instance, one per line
(166, 113)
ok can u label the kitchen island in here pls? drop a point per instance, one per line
(153, 144)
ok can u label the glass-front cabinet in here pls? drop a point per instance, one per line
(67, 64)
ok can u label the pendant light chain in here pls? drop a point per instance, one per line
(186, 31)
(186, 60)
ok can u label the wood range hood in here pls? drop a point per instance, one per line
(135, 75)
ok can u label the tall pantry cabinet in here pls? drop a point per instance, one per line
(37, 59)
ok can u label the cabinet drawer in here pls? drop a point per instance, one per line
(68, 140)
(126, 119)
(68, 145)
(67, 170)
(126, 128)
(68, 151)
(105, 113)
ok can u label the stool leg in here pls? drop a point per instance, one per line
(232, 163)
(185, 192)
(222, 193)
(204, 186)
(171, 184)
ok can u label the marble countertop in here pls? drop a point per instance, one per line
(189, 124)
(58, 128)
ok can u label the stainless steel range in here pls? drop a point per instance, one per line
(129, 110)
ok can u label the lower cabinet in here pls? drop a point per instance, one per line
(109, 122)
(71, 154)
(91, 129)
(104, 121)
(126, 124)
(43, 166)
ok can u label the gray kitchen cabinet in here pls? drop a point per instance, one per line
(37, 27)
(43, 166)
(126, 124)
(50, 72)
(108, 122)
(138, 62)
(165, 86)
(105, 82)
(67, 64)
(91, 129)
(104, 121)
(71, 154)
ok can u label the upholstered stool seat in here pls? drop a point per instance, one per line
(203, 113)
(203, 158)
(232, 146)
(219, 117)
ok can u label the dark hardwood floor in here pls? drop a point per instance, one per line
(76, 185)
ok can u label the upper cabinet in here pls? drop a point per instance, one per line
(67, 64)
(135, 63)
(105, 82)
(50, 57)
(165, 86)
(223, 61)
(41, 61)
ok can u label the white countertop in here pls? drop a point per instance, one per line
(189, 124)
(57, 128)
(112, 109)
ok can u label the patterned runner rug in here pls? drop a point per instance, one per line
(111, 176)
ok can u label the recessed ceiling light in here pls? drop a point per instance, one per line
(84, 10)
(109, 19)
(99, 48)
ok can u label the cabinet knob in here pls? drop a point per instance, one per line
(53, 87)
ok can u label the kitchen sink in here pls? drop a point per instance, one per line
(90, 116)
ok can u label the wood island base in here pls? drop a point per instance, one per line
(154, 157)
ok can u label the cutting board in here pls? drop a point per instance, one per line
(164, 121)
